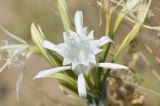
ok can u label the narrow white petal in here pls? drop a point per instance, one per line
(65, 36)
(79, 22)
(74, 64)
(72, 34)
(90, 36)
(47, 73)
(92, 59)
(81, 86)
(96, 50)
(113, 66)
(103, 40)
(62, 49)
(84, 32)
(66, 61)
(51, 46)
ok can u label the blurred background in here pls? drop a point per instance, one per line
(17, 15)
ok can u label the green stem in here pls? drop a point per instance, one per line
(118, 22)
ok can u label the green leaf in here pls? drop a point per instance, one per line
(62, 6)
(67, 81)
(38, 39)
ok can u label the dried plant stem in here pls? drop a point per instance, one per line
(132, 34)
(13, 36)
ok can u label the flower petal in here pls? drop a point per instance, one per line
(96, 50)
(90, 36)
(47, 73)
(51, 46)
(84, 31)
(74, 64)
(72, 34)
(113, 66)
(92, 59)
(81, 86)
(79, 22)
(103, 40)
(85, 63)
(65, 36)
(62, 49)
(66, 61)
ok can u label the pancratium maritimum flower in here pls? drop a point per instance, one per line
(78, 50)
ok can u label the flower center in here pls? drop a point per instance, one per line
(78, 50)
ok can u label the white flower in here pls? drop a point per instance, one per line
(78, 50)
(78, 47)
